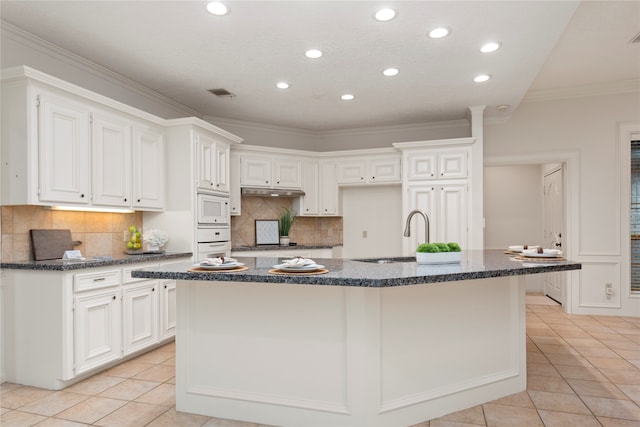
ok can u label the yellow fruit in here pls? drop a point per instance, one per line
(137, 245)
(132, 239)
(137, 239)
(133, 229)
(130, 245)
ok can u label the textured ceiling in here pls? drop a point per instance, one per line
(180, 51)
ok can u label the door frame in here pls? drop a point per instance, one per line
(571, 161)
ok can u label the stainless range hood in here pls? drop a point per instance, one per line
(270, 192)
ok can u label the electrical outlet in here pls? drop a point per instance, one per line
(329, 232)
(608, 289)
(125, 233)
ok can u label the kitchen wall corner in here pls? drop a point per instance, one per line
(305, 230)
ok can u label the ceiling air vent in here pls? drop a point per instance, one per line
(636, 38)
(220, 92)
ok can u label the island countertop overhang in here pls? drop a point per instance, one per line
(475, 264)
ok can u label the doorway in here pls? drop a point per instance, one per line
(553, 228)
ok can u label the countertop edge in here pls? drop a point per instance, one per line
(58, 265)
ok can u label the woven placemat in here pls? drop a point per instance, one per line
(230, 270)
(298, 273)
(539, 259)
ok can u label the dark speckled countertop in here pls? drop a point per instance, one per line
(348, 272)
(60, 265)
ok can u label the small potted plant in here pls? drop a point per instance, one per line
(286, 221)
(438, 253)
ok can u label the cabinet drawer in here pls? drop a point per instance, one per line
(96, 280)
(126, 273)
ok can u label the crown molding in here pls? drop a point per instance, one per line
(221, 121)
(596, 89)
(47, 48)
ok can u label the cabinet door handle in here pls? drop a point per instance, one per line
(99, 279)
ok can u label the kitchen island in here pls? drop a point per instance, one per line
(366, 344)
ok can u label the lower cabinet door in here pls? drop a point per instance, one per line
(97, 329)
(167, 309)
(140, 316)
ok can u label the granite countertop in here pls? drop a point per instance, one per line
(281, 248)
(349, 272)
(60, 265)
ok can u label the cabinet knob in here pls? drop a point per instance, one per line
(125, 199)
(138, 200)
(211, 183)
(153, 289)
(266, 182)
(114, 297)
(362, 178)
(165, 286)
(82, 196)
(373, 177)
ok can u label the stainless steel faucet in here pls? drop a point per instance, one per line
(407, 227)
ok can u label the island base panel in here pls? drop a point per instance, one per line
(347, 356)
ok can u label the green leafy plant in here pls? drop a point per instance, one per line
(438, 247)
(286, 221)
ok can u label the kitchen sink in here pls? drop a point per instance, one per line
(387, 260)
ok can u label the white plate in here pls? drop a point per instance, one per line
(225, 266)
(298, 268)
(537, 255)
(520, 248)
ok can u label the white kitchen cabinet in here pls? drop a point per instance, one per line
(235, 191)
(97, 325)
(148, 171)
(63, 150)
(64, 145)
(270, 171)
(167, 309)
(375, 169)
(212, 159)
(309, 204)
(328, 188)
(446, 207)
(64, 325)
(437, 164)
(111, 160)
(140, 323)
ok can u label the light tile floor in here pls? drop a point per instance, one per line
(582, 371)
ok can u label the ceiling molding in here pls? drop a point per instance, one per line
(597, 89)
(47, 48)
(245, 124)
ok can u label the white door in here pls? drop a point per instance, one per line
(140, 316)
(148, 169)
(553, 229)
(97, 323)
(64, 151)
(111, 151)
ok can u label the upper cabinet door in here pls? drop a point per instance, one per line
(287, 173)
(421, 166)
(205, 159)
(111, 152)
(352, 171)
(148, 169)
(63, 151)
(255, 171)
(453, 164)
(385, 169)
(222, 162)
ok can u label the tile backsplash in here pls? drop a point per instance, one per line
(305, 230)
(100, 233)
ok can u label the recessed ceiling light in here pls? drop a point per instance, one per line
(439, 33)
(481, 78)
(282, 85)
(490, 47)
(313, 53)
(390, 72)
(385, 14)
(217, 8)
(347, 97)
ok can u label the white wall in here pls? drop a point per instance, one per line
(512, 206)
(376, 210)
(586, 128)
(513, 210)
